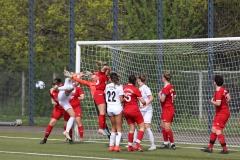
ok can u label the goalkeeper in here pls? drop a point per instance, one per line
(97, 83)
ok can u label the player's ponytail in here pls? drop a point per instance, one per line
(167, 75)
(115, 78)
(132, 79)
(143, 78)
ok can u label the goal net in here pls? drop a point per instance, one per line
(192, 63)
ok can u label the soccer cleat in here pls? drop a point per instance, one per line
(67, 135)
(65, 139)
(117, 149)
(71, 142)
(80, 139)
(107, 132)
(133, 144)
(164, 146)
(209, 150)
(152, 148)
(100, 131)
(223, 152)
(121, 139)
(130, 149)
(173, 147)
(43, 141)
(138, 148)
(111, 148)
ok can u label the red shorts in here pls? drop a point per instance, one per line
(220, 121)
(132, 117)
(58, 112)
(78, 111)
(167, 114)
(66, 116)
(99, 97)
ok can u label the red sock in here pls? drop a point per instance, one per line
(139, 138)
(222, 141)
(104, 122)
(48, 131)
(70, 133)
(164, 134)
(64, 128)
(170, 135)
(140, 135)
(101, 121)
(130, 137)
(80, 131)
(213, 138)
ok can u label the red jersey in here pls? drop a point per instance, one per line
(220, 95)
(102, 81)
(131, 95)
(168, 90)
(74, 101)
(54, 96)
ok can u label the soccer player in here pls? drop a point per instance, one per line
(147, 110)
(57, 113)
(114, 98)
(97, 86)
(166, 96)
(220, 102)
(132, 113)
(75, 99)
(65, 92)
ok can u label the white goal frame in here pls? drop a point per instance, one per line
(167, 41)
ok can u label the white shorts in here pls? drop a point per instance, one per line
(114, 110)
(147, 116)
(64, 100)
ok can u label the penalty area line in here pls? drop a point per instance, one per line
(57, 155)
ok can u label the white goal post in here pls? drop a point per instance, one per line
(192, 63)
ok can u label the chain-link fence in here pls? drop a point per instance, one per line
(93, 20)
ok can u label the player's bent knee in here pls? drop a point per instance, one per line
(219, 129)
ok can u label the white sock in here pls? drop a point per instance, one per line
(130, 144)
(135, 135)
(118, 138)
(150, 136)
(69, 124)
(65, 88)
(112, 138)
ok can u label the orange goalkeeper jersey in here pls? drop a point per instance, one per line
(89, 84)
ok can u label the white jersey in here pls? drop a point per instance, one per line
(62, 97)
(112, 93)
(145, 91)
(68, 82)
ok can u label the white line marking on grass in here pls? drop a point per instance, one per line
(57, 155)
(96, 141)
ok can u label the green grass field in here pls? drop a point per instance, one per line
(25, 146)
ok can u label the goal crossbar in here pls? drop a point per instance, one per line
(192, 63)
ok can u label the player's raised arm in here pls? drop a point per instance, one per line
(106, 69)
(81, 81)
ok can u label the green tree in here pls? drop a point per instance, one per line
(13, 36)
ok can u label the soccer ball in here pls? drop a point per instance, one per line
(40, 85)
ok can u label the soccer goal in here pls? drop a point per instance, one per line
(192, 63)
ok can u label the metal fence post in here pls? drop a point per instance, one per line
(31, 62)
